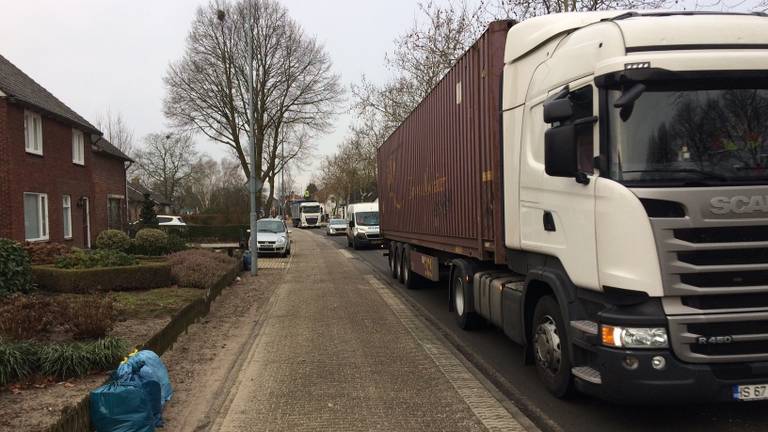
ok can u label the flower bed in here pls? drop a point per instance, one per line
(148, 274)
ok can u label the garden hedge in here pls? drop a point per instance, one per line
(143, 276)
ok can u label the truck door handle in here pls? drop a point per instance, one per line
(549, 222)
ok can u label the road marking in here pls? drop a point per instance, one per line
(345, 253)
(487, 408)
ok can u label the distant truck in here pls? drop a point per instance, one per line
(306, 214)
(595, 185)
(363, 225)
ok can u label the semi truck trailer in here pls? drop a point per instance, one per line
(596, 185)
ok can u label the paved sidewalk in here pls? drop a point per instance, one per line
(338, 351)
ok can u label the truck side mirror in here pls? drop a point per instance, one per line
(351, 223)
(557, 110)
(560, 151)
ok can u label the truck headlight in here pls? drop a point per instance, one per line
(280, 241)
(634, 337)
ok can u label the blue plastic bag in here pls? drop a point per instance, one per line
(123, 405)
(154, 370)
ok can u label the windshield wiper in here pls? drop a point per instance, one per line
(705, 174)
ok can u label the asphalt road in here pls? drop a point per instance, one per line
(502, 361)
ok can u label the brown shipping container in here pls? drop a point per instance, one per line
(439, 173)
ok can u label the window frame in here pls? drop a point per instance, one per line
(29, 140)
(42, 217)
(78, 147)
(66, 204)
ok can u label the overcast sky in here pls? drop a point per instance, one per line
(96, 55)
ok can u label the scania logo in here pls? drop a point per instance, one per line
(714, 340)
(739, 204)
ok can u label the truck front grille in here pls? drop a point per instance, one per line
(712, 260)
(311, 221)
(721, 338)
(727, 301)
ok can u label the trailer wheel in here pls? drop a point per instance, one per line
(391, 259)
(399, 262)
(551, 348)
(461, 290)
(409, 278)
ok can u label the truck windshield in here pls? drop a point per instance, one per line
(691, 135)
(311, 209)
(367, 218)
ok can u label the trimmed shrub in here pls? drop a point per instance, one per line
(90, 318)
(199, 268)
(113, 239)
(14, 268)
(151, 241)
(44, 252)
(176, 244)
(25, 317)
(80, 259)
(142, 276)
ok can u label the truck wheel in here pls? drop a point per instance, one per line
(551, 349)
(391, 259)
(461, 291)
(409, 278)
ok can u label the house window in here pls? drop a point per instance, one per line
(33, 133)
(115, 213)
(67, 216)
(78, 147)
(35, 216)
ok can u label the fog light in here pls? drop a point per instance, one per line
(659, 362)
(630, 362)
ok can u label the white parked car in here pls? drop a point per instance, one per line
(336, 227)
(169, 220)
(272, 237)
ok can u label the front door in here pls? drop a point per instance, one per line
(557, 214)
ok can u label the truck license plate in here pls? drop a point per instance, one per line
(750, 392)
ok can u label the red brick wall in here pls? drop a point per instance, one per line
(52, 173)
(5, 171)
(108, 179)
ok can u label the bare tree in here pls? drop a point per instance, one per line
(116, 131)
(166, 162)
(293, 85)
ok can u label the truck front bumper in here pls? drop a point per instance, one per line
(678, 382)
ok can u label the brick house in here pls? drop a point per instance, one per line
(60, 181)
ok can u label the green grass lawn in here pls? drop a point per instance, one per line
(153, 303)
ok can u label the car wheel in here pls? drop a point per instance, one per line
(551, 349)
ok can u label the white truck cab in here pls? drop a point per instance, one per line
(363, 225)
(306, 214)
(642, 142)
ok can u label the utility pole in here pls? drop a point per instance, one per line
(253, 245)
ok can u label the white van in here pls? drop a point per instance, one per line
(363, 225)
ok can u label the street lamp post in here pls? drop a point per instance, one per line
(252, 243)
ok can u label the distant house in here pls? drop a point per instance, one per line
(136, 192)
(60, 180)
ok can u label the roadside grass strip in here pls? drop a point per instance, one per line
(487, 408)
